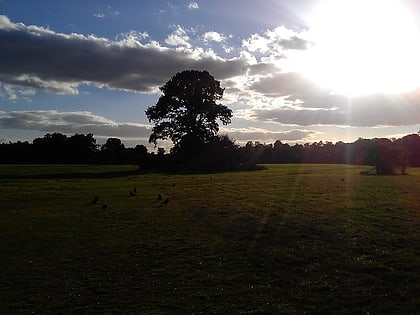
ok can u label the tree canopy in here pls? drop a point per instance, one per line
(187, 111)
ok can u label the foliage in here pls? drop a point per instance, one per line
(187, 112)
(113, 152)
(219, 154)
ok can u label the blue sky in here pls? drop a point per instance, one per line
(297, 71)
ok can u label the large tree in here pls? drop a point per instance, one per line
(187, 112)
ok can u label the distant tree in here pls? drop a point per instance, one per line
(220, 154)
(113, 152)
(81, 148)
(411, 145)
(387, 156)
(188, 111)
(138, 155)
(51, 148)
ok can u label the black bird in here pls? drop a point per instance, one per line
(95, 200)
(135, 190)
(159, 197)
(165, 202)
(104, 206)
(132, 193)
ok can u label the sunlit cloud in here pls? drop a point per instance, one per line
(213, 36)
(275, 41)
(178, 37)
(243, 135)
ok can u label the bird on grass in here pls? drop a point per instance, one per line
(165, 202)
(104, 206)
(95, 200)
(132, 193)
(159, 197)
(135, 190)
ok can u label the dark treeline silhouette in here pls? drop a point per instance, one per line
(388, 156)
(57, 148)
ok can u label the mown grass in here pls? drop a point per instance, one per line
(290, 239)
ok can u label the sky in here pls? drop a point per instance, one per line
(298, 71)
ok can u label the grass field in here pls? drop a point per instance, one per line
(292, 239)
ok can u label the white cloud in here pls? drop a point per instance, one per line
(276, 41)
(213, 36)
(99, 15)
(192, 5)
(6, 24)
(179, 37)
(243, 135)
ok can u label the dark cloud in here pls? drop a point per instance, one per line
(71, 123)
(294, 43)
(293, 85)
(39, 58)
(307, 104)
(262, 68)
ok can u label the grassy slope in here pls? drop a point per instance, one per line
(294, 238)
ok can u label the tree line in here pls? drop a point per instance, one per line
(56, 148)
(187, 113)
(386, 155)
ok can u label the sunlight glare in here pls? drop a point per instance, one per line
(364, 46)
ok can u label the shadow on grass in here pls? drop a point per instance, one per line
(75, 175)
(125, 173)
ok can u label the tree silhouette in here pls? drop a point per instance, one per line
(113, 152)
(187, 112)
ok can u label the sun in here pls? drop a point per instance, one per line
(364, 46)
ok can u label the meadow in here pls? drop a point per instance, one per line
(292, 239)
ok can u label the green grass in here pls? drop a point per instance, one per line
(291, 239)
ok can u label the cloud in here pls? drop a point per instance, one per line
(290, 98)
(243, 135)
(258, 82)
(6, 24)
(213, 36)
(367, 111)
(99, 15)
(71, 123)
(13, 93)
(86, 122)
(293, 85)
(39, 58)
(179, 37)
(275, 41)
(112, 12)
(192, 5)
